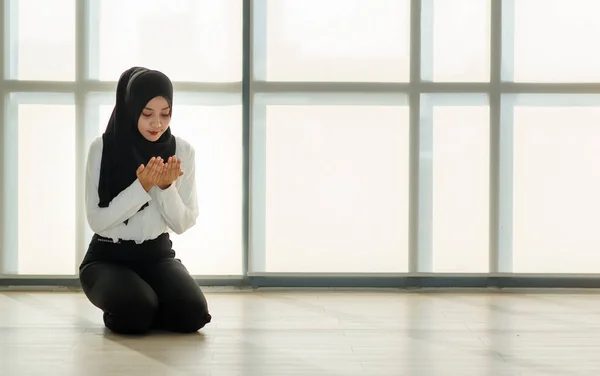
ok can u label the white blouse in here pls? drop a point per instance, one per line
(173, 209)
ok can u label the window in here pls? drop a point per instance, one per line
(39, 165)
(333, 40)
(553, 41)
(459, 49)
(42, 40)
(456, 156)
(190, 40)
(336, 185)
(322, 145)
(197, 42)
(556, 181)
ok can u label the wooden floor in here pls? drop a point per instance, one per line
(315, 332)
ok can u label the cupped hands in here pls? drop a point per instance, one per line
(159, 173)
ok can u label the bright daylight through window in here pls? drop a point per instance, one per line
(332, 137)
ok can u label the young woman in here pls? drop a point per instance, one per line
(140, 183)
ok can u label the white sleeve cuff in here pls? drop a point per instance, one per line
(165, 196)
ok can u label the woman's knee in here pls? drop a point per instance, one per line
(131, 316)
(185, 316)
(128, 302)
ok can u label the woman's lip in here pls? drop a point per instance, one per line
(153, 133)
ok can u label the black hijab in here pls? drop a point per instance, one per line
(124, 147)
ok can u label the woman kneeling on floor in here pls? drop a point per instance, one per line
(140, 183)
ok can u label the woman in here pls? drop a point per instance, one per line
(136, 190)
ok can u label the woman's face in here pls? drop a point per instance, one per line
(154, 119)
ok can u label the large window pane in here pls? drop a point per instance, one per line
(190, 40)
(460, 186)
(41, 201)
(214, 245)
(555, 40)
(333, 40)
(43, 43)
(461, 41)
(556, 181)
(336, 188)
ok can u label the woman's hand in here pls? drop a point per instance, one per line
(150, 175)
(171, 172)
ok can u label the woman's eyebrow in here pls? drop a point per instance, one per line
(150, 109)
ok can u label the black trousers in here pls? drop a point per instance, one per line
(142, 287)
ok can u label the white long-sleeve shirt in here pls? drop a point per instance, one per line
(173, 209)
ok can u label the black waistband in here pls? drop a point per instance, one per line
(104, 249)
(158, 240)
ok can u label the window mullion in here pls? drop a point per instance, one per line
(81, 54)
(414, 262)
(8, 207)
(501, 252)
(3, 94)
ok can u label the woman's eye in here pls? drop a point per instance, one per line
(147, 114)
